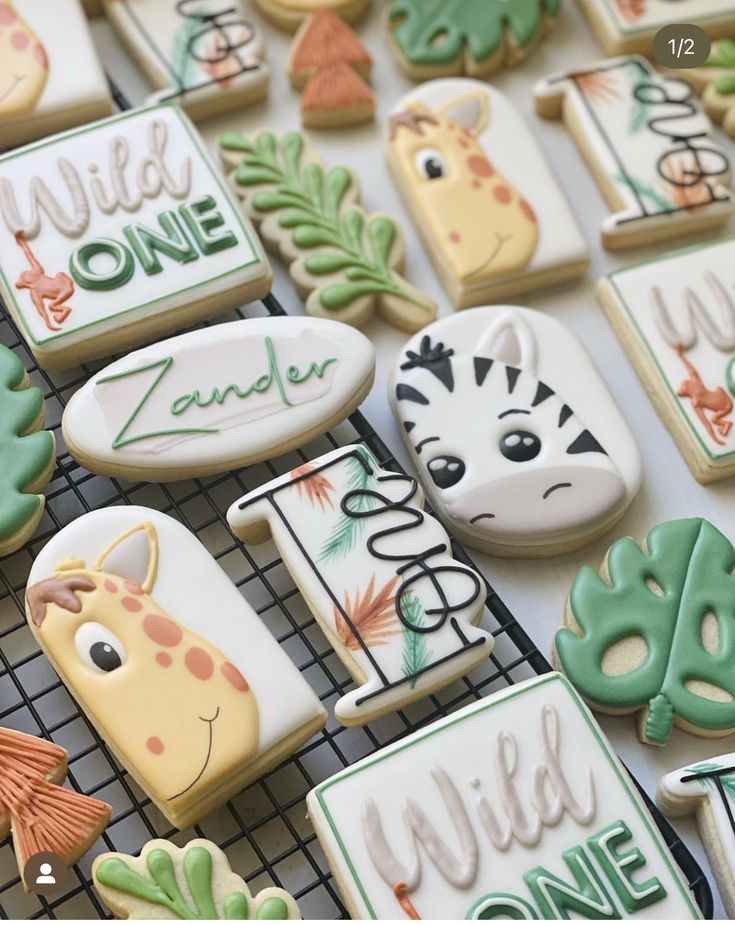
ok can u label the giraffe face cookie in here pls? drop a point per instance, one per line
(107, 601)
(39, 92)
(675, 316)
(480, 193)
(650, 147)
(519, 444)
(118, 232)
(514, 807)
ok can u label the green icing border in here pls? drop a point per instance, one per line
(496, 699)
(219, 182)
(609, 8)
(671, 255)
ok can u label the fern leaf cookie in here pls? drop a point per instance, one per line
(193, 882)
(447, 38)
(27, 454)
(654, 632)
(345, 262)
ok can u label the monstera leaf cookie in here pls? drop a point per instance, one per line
(654, 632)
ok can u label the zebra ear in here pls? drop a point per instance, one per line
(511, 341)
(471, 111)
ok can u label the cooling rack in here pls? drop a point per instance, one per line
(264, 830)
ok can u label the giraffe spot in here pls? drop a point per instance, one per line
(110, 586)
(19, 40)
(480, 165)
(234, 677)
(455, 237)
(199, 663)
(477, 183)
(7, 15)
(502, 194)
(132, 588)
(464, 143)
(154, 745)
(527, 210)
(163, 659)
(39, 53)
(129, 603)
(161, 630)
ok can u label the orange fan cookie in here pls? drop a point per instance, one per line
(41, 814)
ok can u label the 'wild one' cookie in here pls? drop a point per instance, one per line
(207, 56)
(40, 814)
(649, 146)
(125, 602)
(517, 440)
(218, 398)
(447, 38)
(50, 77)
(707, 789)
(289, 14)
(377, 573)
(480, 193)
(191, 882)
(715, 82)
(625, 26)
(514, 807)
(27, 454)
(654, 632)
(119, 232)
(344, 262)
(675, 316)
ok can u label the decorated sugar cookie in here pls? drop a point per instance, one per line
(40, 91)
(516, 438)
(707, 789)
(290, 14)
(193, 882)
(124, 602)
(218, 398)
(649, 145)
(715, 82)
(514, 807)
(331, 66)
(344, 262)
(205, 55)
(117, 233)
(474, 180)
(40, 814)
(624, 26)
(675, 316)
(27, 454)
(376, 572)
(653, 632)
(444, 38)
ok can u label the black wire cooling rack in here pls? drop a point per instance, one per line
(264, 830)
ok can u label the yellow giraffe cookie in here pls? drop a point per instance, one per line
(23, 64)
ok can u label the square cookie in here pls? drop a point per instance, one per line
(117, 233)
(675, 316)
(521, 811)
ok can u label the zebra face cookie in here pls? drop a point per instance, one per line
(519, 444)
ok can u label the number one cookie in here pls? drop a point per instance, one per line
(377, 573)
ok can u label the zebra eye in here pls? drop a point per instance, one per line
(520, 446)
(430, 164)
(98, 648)
(446, 470)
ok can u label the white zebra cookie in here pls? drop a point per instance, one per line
(377, 573)
(518, 442)
(480, 193)
(707, 789)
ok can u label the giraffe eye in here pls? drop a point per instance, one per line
(430, 164)
(446, 471)
(98, 648)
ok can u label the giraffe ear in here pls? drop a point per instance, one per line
(511, 341)
(471, 111)
(132, 556)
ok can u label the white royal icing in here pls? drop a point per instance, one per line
(196, 53)
(686, 298)
(219, 398)
(515, 802)
(353, 534)
(649, 136)
(505, 414)
(94, 208)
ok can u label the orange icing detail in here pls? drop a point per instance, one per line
(163, 659)
(399, 891)
(716, 401)
(48, 293)
(335, 87)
